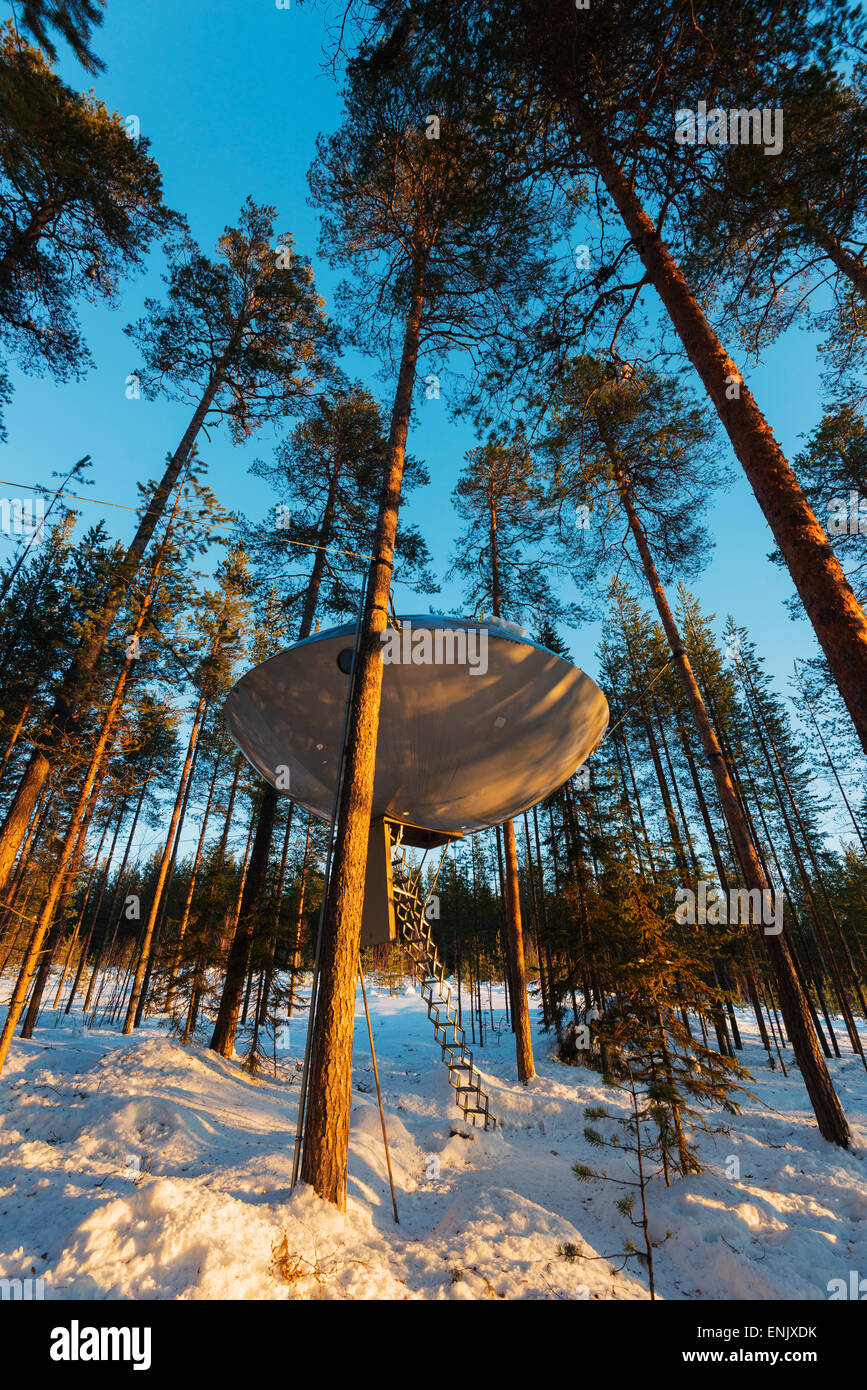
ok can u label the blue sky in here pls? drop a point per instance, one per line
(231, 97)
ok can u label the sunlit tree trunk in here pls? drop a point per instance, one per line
(326, 1131)
(162, 873)
(793, 1003)
(838, 620)
(523, 1039)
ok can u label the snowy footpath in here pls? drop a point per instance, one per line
(137, 1168)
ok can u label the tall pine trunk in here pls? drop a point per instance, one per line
(515, 936)
(514, 931)
(105, 939)
(223, 1038)
(793, 1002)
(326, 1130)
(838, 620)
(94, 917)
(162, 873)
(194, 875)
(851, 266)
(58, 928)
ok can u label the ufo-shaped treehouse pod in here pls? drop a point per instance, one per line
(477, 724)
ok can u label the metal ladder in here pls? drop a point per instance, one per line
(415, 933)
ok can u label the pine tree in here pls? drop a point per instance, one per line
(327, 477)
(612, 100)
(73, 20)
(413, 202)
(644, 442)
(221, 623)
(80, 204)
(499, 496)
(766, 232)
(244, 340)
(73, 841)
(832, 466)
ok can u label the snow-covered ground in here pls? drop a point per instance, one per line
(137, 1168)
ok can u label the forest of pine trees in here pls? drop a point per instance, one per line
(149, 877)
